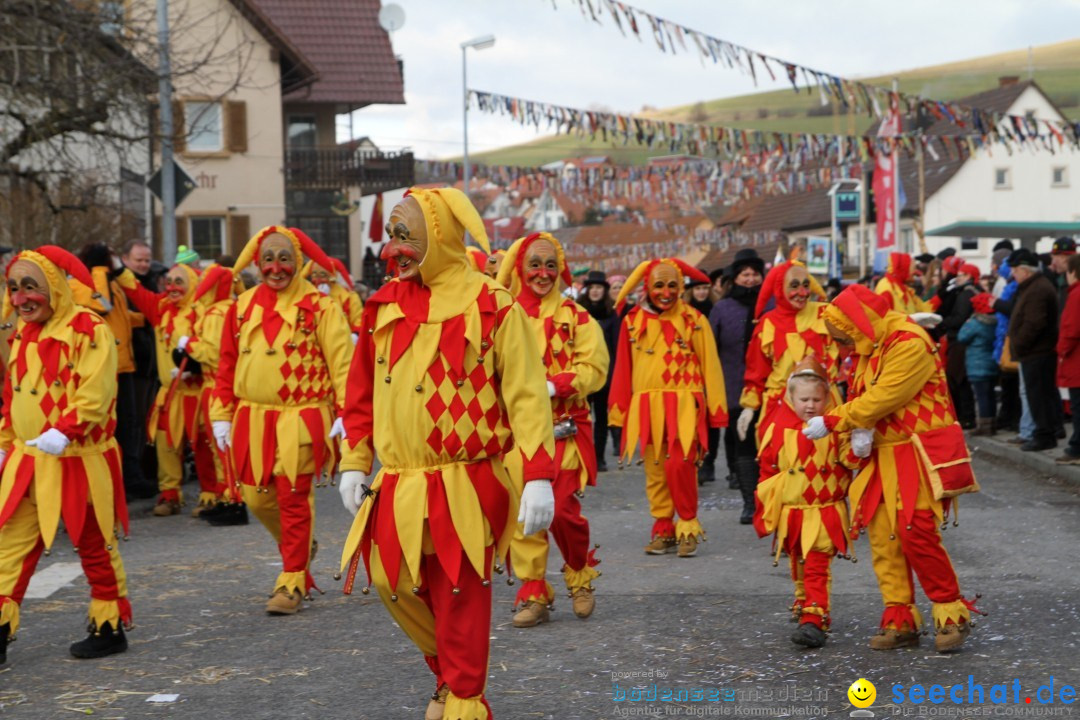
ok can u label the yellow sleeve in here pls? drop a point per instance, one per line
(205, 347)
(590, 364)
(906, 368)
(715, 394)
(524, 390)
(335, 339)
(95, 366)
(84, 296)
(356, 310)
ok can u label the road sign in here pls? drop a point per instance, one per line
(847, 205)
(182, 182)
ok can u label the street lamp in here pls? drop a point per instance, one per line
(480, 43)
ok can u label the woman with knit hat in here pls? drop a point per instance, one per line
(667, 390)
(278, 399)
(59, 457)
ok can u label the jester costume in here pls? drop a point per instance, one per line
(336, 282)
(280, 385)
(575, 359)
(446, 379)
(896, 291)
(666, 391)
(802, 501)
(919, 462)
(62, 461)
(176, 414)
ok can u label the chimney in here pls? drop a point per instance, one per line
(1007, 80)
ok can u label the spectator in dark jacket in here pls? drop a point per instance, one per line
(964, 286)
(732, 323)
(596, 299)
(699, 295)
(1068, 352)
(1033, 334)
(977, 336)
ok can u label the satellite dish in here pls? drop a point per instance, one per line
(391, 17)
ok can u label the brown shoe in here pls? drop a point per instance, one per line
(951, 637)
(891, 639)
(284, 603)
(583, 602)
(437, 705)
(688, 546)
(165, 508)
(199, 510)
(660, 546)
(534, 613)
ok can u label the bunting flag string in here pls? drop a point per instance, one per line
(862, 97)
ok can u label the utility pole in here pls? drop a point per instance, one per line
(922, 195)
(896, 161)
(168, 178)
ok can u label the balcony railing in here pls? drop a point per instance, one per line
(333, 168)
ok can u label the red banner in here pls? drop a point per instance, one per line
(375, 226)
(885, 179)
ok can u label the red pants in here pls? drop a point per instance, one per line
(812, 576)
(671, 487)
(288, 512)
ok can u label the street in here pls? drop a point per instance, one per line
(717, 621)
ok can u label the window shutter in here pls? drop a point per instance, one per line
(179, 128)
(239, 233)
(236, 126)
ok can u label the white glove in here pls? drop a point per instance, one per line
(537, 506)
(951, 286)
(3, 457)
(551, 389)
(52, 441)
(173, 372)
(351, 488)
(815, 429)
(182, 343)
(337, 430)
(324, 288)
(222, 430)
(742, 425)
(355, 338)
(925, 319)
(185, 376)
(862, 442)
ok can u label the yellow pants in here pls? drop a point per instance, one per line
(21, 546)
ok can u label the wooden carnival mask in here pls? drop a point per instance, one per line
(29, 290)
(663, 286)
(277, 261)
(408, 240)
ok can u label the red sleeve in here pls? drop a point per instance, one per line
(1069, 334)
(359, 416)
(622, 386)
(540, 466)
(758, 366)
(224, 391)
(149, 303)
(564, 384)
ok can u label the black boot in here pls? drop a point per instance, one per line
(732, 481)
(809, 635)
(5, 638)
(229, 514)
(706, 473)
(105, 641)
(746, 470)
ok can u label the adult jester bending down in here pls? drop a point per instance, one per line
(56, 436)
(445, 380)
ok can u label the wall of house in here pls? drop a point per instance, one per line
(245, 187)
(325, 121)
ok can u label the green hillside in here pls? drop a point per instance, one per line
(1055, 67)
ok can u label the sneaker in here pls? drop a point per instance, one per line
(951, 637)
(809, 635)
(891, 639)
(436, 707)
(284, 603)
(1067, 459)
(534, 613)
(661, 546)
(688, 546)
(583, 602)
(100, 643)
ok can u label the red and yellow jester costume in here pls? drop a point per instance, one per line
(667, 389)
(336, 282)
(575, 359)
(919, 460)
(280, 386)
(802, 500)
(56, 435)
(445, 380)
(176, 413)
(894, 287)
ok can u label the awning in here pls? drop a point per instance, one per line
(995, 229)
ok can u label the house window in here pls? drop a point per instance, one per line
(1002, 179)
(969, 243)
(302, 132)
(1029, 115)
(203, 122)
(111, 13)
(1059, 177)
(207, 236)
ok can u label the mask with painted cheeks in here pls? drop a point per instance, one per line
(277, 261)
(839, 336)
(541, 268)
(320, 276)
(408, 240)
(797, 287)
(664, 287)
(29, 290)
(176, 284)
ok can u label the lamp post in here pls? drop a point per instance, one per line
(479, 43)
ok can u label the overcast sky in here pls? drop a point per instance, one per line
(558, 56)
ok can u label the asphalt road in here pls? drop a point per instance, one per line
(716, 623)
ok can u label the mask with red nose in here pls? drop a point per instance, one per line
(664, 287)
(277, 261)
(541, 268)
(408, 242)
(29, 291)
